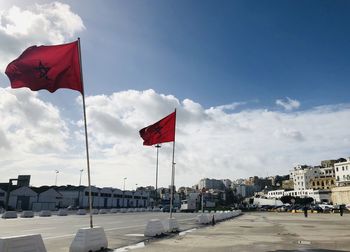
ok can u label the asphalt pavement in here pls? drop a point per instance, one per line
(122, 229)
(261, 232)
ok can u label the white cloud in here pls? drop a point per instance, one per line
(288, 104)
(29, 125)
(52, 23)
(209, 142)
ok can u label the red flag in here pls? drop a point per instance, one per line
(47, 67)
(161, 132)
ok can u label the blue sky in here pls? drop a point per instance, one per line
(236, 66)
(217, 53)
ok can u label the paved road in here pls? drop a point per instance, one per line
(264, 232)
(122, 229)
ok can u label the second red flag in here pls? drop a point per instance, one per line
(160, 132)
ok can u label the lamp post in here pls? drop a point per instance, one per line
(157, 147)
(136, 187)
(56, 171)
(124, 184)
(81, 172)
(202, 203)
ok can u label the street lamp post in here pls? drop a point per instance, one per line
(157, 163)
(56, 171)
(81, 172)
(124, 184)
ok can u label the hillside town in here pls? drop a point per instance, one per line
(327, 183)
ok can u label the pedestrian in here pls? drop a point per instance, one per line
(213, 221)
(305, 211)
(341, 210)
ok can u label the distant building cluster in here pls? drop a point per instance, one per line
(328, 182)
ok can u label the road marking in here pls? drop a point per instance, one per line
(57, 237)
(113, 222)
(136, 235)
(110, 229)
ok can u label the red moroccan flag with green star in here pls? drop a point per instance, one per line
(160, 132)
(47, 67)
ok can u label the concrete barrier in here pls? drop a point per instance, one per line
(203, 219)
(30, 243)
(62, 212)
(170, 225)
(154, 228)
(27, 214)
(102, 211)
(81, 212)
(89, 239)
(45, 213)
(9, 215)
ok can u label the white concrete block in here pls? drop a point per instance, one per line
(203, 219)
(45, 213)
(102, 211)
(27, 214)
(170, 225)
(25, 243)
(154, 227)
(81, 212)
(9, 215)
(62, 212)
(89, 239)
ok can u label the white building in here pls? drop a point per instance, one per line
(128, 199)
(211, 184)
(227, 183)
(342, 173)
(48, 199)
(105, 199)
(303, 175)
(319, 196)
(117, 200)
(95, 197)
(22, 198)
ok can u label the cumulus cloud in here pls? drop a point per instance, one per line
(288, 104)
(210, 142)
(29, 125)
(52, 23)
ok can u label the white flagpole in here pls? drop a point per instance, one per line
(86, 137)
(172, 174)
